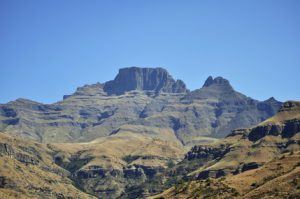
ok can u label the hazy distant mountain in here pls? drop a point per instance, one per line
(137, 96)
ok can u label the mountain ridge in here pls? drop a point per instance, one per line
(139, 140)
(137, 96)
(135, 72)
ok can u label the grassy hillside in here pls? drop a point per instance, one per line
(27, 171)
(137, 161)
(106, 167)
(260, 162)
(279, 178)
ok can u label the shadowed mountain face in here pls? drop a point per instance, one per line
(147, 97)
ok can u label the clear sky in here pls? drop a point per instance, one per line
(50, 47)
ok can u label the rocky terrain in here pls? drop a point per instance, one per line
(132, 163)
(144, 134)
(258, 162)
(28, 171)
(106, 167)
(137, 96)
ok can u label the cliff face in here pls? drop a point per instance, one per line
(286, 123)
(147, 79)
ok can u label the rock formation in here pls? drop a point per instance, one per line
(146, 79)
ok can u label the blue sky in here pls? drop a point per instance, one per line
(50, 47)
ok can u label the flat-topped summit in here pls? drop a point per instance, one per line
(148, 79)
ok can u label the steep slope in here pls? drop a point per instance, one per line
(137, 96)
(107, 167)
(278, 178)
(258, 162)
(27, 171)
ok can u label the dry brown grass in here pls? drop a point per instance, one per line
(25, 180)
(108, 152)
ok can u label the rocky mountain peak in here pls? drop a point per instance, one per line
(220, 81)
(88, 90)
(148, 79)
(271, 99)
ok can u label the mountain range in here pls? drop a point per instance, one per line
(137, 96)
(145, 135)
(258, 162)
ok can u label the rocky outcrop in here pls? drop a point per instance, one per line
(6, 182)
(250, 166)
(261, 131)
(239, 132)
(211, 174)
(291, 127)
(286, 130)
(26, 159)
(8, 112)
(206, 152)
(147, 79)
(290, 106)
(6, 149)
(285, 124)
(126, 179)
(91, 172)
(129, 172)
(201, 155)
(217, 173)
